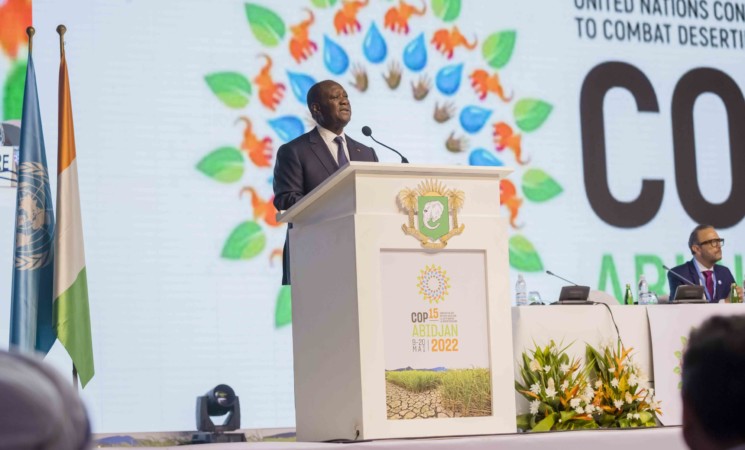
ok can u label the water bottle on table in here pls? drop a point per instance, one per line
(521, 291)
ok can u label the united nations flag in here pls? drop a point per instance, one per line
(33, 262)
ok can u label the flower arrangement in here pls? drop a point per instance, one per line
(621, 389)
(558, 389)
(609, 391)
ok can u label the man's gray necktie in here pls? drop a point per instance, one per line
(341, 157)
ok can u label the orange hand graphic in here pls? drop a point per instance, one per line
(397, 18)
(345, 20)
(508, 197)
(483, 83)
(262, 209)
(301, 47)
(270, 93)
(446, 41)
(15, 16)
(258, 150)
(505, 138)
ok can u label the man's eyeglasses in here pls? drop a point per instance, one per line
(713, 242)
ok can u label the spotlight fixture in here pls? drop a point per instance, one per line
(218, 402)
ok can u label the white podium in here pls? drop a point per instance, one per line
(400, 307)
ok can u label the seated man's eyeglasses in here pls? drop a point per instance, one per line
(713, 242)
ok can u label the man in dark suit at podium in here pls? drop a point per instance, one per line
(305, 162)
(706, 247)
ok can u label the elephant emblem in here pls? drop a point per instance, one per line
(432, 213)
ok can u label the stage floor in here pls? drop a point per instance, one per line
(662, 438)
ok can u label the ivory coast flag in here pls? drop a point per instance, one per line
(71, 314)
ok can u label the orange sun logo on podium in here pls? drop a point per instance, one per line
(433, 283)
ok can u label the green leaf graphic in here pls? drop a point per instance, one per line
(323, 3)
(677, 370)
(231, 88)
(224, 165)
(498, 47)
(283, 311)
(523, 255)
(13, 92)
(245, 242)
(447, 10)
(531, 113)
(538, 186)
(265, 24)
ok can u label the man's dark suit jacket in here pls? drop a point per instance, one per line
(302, 164)
(688, 271)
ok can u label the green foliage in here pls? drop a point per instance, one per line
(523, 255)
(498, 47)
(538, 186)
(13, 91)
(415, 380)
(266, 25)
(224, 165)
(531, 113)
(447, 10)
(558, 391)
(467, 391)
(232, 88)
(621, 394)
(245, 242)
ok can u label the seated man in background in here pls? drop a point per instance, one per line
(713, 389)
(706, 247)
(39, 410)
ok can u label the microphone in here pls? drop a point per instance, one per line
(561, 278)
(680, 277)
(368, 132)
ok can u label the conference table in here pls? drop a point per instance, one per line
(654, 332)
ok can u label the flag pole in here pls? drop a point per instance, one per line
(30, 31)
(61, 29)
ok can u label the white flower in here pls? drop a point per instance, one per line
(564, 368)
(618, 404)
(550, 392)
(547, 368)
(650, 393)
(598, 384)
(534, 366)
(551, 383)
(633, 380)
(589, 409)
(579, 410)
(574, 402)
(629, 399)
(534, 406)
(535, 388)
(614, 382)
(565, 385)
(589, 392)
(611, 369)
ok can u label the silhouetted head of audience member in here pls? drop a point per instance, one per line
(39, 410)
(714, 384)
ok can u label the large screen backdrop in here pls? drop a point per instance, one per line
(624, 127)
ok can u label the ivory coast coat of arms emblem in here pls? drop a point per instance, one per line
(430, 207)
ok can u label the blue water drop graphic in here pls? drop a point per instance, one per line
(473, 118)
(287, 127)
(334, 57)
(300, 84)
(481, 157)
(415, 54)
(448, 79)
(374, 45)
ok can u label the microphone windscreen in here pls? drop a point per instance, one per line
(366, 130)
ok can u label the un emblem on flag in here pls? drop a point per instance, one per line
(34, 219)
(434, 207)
